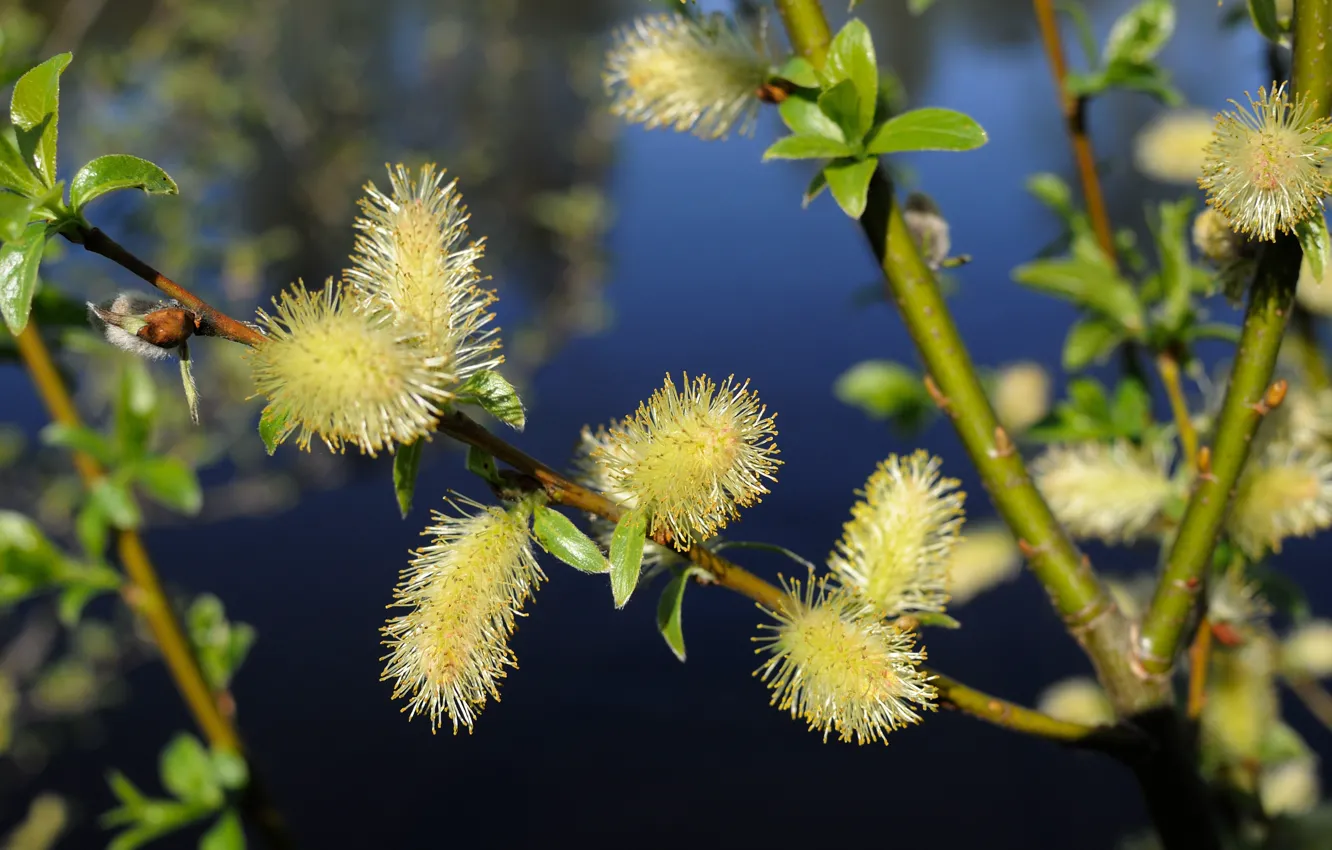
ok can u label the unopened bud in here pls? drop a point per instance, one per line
(929, 229)
(151, 329)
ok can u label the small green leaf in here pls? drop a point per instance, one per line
(1216, 330)
(496, 396)
(19, 261)
(1141, 32)
(35, 111)
(170, 482)
(406, 465)
(919, 7)
(1170, 231)
(841, 105)
(1051, 190)
(1088, 283)
(90, 526)
(849, 181)
(762, 547)
(481, 463)
(1263, 13)
(885, 390)
(135, 406)
(187, 771)
(274, 428)
(79, 439)
(798, 70)
(118, 171)
(1131, 410)
(626, 555)
(15, 173)
(817, 184)
(129, 796)
(937, 619)
(929, 129)
(220, 644)
(801, 114)
(668, 614)
(806, 147)
(1090, 340)
(1317, 250)
(851, 57)
(561, 538)
(224, 834)
(230, 769)
(116, 503)
(15, 212)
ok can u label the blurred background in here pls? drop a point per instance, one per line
(619, 255)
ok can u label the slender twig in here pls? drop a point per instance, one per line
(1200, 660)
(1168, 365)
(144, 593)
(209, 320)
(1075, 120)
(1248, 398)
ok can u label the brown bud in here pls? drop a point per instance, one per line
(166, 328)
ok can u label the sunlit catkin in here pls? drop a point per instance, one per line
(1111, 491)
(894, 552)
(595, 476)
(329, 370)
(462, 594)
(675, 71)
(691, 457)
(840, 668)
(1285, 493)
(413, 262)
(1263, 166)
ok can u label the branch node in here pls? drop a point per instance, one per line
(939, 398)
(1003, 446)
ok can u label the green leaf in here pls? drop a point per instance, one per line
(1087, 283)
(806, 147)
(762, 547)
(1263, 13)
(479, 462)
(406, 465)
(1317, 250)
(91, 527)
(187, 771)
(1141, 32)
(1082, 26)
(1051, 190)
(225, 833)
(561, 538)
(849, 181)
(118, 171)
(918, 7)
(19, 261)
(1131, 410)
(170, 482)
(135, 406)
(116, 503)
(841, 105)
(496, 396)
(798, 70)
(1170, 232)
(230, 769)
(1215, 330)
(15, 212)
(817, 184)
(936, 619)
(274, 428)
(129, 796)
(35, 111)
(220, 644)
(626, 555)
(1090, 340)
(668, 614)
(15, 173)
(929, 129)
(801, 114)
(851, 57)
(79, 439)
(1148, 78)
(885, 390)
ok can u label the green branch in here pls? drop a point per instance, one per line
(1079, 597)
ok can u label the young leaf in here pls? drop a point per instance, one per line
(15, 173)
(798, 70)
(115, 502)
(19, 261)
(273, 428)
(224, 834)
(806, 147)
(626, 555)
(801, 115)
(79, 439)
(763, 547)
(1090, 340)
(817, 184)
(170, 482)
(937, 619)
(885, 390)
(15, 211)
(1170, 232)
(135, 406)
(1087, 283)
(561, 538)
(1317, 251)
(118, 171)
(220, 644)
(187, 771)
(481, 463)
(1141, 32)
(91, 528)
(496, 396)
(929, 129)
(841, 104)
(1264, 16)
(406, 464)
(851, 57)
(1132, 408)
(668, 614)
(849, 181)
(35, 111)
